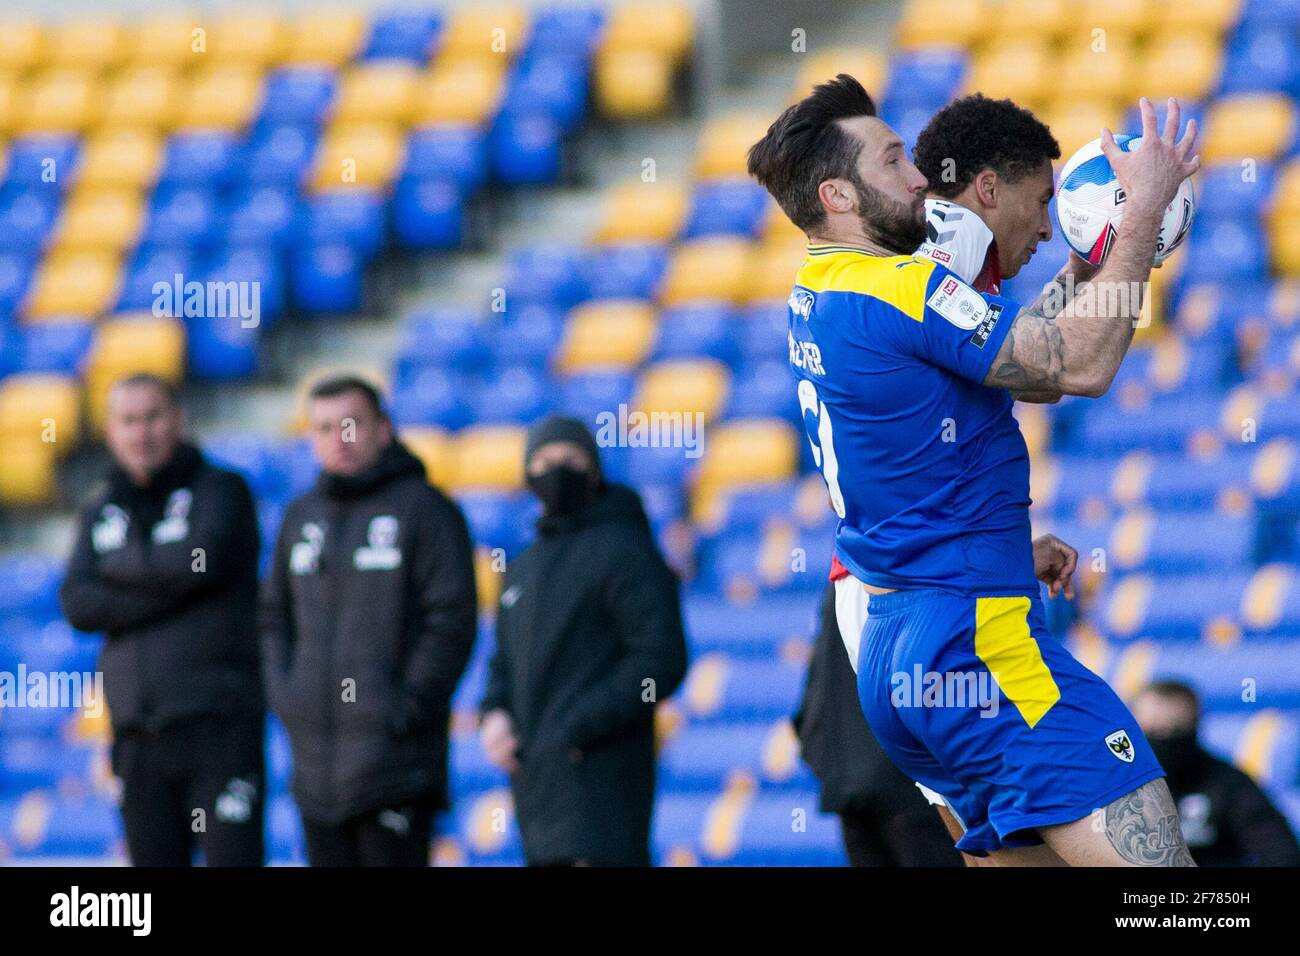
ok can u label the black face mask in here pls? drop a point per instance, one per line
(562, 490)
(1178, 753)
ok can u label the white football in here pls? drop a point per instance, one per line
(1090, 204)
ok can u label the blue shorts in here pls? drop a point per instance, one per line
(975, 700)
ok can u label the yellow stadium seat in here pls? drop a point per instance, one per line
(1184, 64)
(636, 210)
(778, 230)
(365, 155)
(91, 43)
(143, 96)
(715, 268)
(772, 269)
(120, 157)
(326, 37)
(57, 101)
(383, 90)
(868, 67)
(1286, 194)
(23, 43)
(749, 451)
(433, 447)
(27, 471)
(460, 90)
(664, 28)
(1046, 19)
(685, 386)
(1255, 125)
(169, 39)
(1076, 122)
(1125, 16)
(1284, 244)
(1022, 70)
(724, 144)
(938, 23)
(484, 31)
(633, 84)
(10, 100)
(614, 334)
(1108, 74)
(128, 344)
(489, 457)
(100, 219)
(254, 37)
(1213, 16)
(41, 409)
(221, 97)
(80, 283)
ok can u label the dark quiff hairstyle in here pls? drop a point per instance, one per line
(1175, 690)
(341, 384)
(807, 146)
(168, 388)
(975, 133)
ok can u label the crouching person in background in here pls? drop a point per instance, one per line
(165, 563)
(368, 619)
(588, 636)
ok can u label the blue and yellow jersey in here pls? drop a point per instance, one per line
(926, 467)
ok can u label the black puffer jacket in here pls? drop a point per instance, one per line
(589, 635)
(169, 573)
(368, 619)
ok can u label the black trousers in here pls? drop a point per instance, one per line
(392, 836)
(195, 786)
(882, 834)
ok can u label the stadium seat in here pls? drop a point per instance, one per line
(724, 143)
(221, 98)
(488, 457)
(868, 67)
(716, 269)
(1248, 125)
(100, 219)
(143, 96)
(610, 335)
(248, 36)
(685, 386)
(325, 37)
(1017, 69)
(161, 40)
(638, 210)
(381, 91)
(465, 89)
(748, 451)
(357, 155)
(74, 283)
(1181, 64)
(57, 101)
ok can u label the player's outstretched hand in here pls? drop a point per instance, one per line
(1054, 563)
(1152, 173)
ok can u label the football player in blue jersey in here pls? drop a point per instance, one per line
(906, 376)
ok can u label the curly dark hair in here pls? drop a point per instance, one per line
(977, 133)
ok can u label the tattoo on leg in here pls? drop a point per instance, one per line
(1143, 827)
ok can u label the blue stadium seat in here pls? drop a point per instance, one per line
(253, 457)
(444, 336)
(34, 158)
(525, 149)
(220, 347)
(185, 216)
(526, 334)
(573, 30)
(752, 689)
(355, 218)
(733, 207)
(549, 85)
(153, 264)
(1223, 191)
(498, 519)
(755, 629)
(16, 270)
(429, 213)
(452, 151)
(513, 393)
(403, 35)
(588, 394)
(27, 217)
(788, 830)
(31, 584)
(1261, 58)
(702, 758)
(548, 273)
(433, 396)
(699, 329)
(1226, 250)
(57, 347)
(299, 94)
(625, 270)
(924, 78)
(763, 333)
(262, 214)
(326, 278)
(201, 158)
(280, 154)
(764, 390)
(253, 264)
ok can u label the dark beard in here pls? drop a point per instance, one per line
(891, 225)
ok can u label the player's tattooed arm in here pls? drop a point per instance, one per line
(1143, 827)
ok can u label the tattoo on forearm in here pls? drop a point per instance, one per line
(1143, 827)
(1056, 294)
(1032, 356)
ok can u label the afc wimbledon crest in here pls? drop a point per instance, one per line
(381, 552)
(1121, 746)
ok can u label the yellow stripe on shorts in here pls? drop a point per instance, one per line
(1009, 651)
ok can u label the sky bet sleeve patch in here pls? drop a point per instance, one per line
(958, 303)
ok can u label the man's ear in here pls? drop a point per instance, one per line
(987, 188)
(837, 195)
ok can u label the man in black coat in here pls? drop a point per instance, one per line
(165, 563)
(884, 818)
(368, 619)
(1227, 819)
(588, 637)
